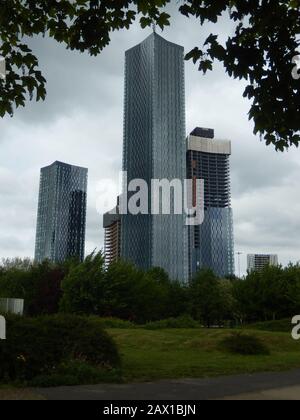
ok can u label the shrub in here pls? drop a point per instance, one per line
(39, 346)
(185, 321)
(54, 380)
(283, 325)
(113, 323)
(244, 344)
(76, 372)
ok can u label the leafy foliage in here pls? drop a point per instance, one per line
(185, 321)
(124, 296)
(273, 293)
(261, 51)
(75, 372)
(282, 325)
(114, 323)
(207, 300)
(38, 346)
(83, 25)
(38, 284)
(83, 286)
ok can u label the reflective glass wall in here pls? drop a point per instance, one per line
(154, 148)
(61, 221)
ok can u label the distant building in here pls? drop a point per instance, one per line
(211, 245)
(61, 221)
(257, 262)
(112, 235)
(154, 148)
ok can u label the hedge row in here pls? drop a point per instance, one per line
(41, 345)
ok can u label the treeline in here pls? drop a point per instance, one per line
(127, 293)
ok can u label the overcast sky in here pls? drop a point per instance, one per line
(81, 123)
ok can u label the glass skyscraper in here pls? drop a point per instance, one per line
(61, 220)
(154, 148)
(211, 245)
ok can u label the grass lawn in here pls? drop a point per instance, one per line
(194, 353)
(150, 355)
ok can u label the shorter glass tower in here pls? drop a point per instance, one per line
(112, 237)
(211, 245)
(61, 220)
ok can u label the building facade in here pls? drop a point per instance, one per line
(112, 236)
(154, 148)
(211, 245)
(257, 262)
(61, 220)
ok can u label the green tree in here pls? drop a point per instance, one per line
(178, 300)
(228, 310)
(273, 293)
(121, 282)
(24, 264)
(16, 283)
(173, 294)
(83, 286)
(47, 279)
(292, 293)
(260, 50)
(249, 298)
(206, 298)
(38, 284)
(160, 275)
(133, 294)
(273, 298)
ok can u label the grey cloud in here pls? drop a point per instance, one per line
(15, 246)
(81, 122)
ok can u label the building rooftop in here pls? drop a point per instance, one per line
(207, 145)
(207, 133)
(58, 163)
(156, 36)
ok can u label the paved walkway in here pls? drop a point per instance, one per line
(291, 393)
(261, 386)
